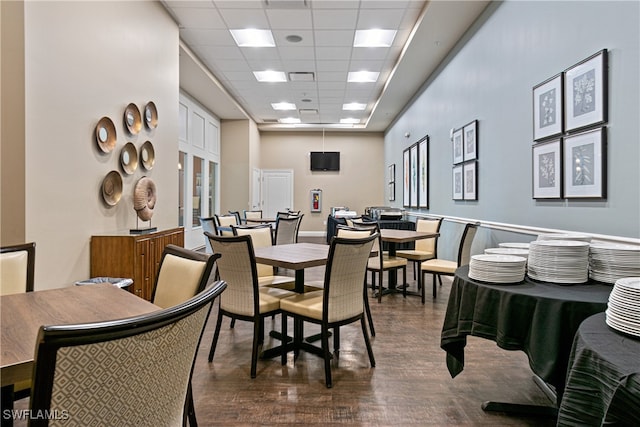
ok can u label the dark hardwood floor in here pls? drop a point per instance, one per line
(410, 384)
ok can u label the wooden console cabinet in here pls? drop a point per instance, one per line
(132, 256)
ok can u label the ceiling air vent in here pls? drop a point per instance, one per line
(286, 4)
(302, 76)
(269, 120)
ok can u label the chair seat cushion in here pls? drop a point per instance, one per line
(415, 255)
(270, 298)
(308, 304)
(279, 281)
(439, 266)
(387, 262)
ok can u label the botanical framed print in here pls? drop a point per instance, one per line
(457, 183)
(547, 108)
(413, 202)
(547, 170)
(470, 172)
(405, 177)
(392, 172)
(423, 172)
(470, 141)
(585, 92)
(392, 191)
(585, 164)
(458, 156)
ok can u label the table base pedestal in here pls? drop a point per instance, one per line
(521, 409)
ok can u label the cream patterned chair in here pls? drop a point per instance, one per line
(443, 267)
(224, 222)
(252, 214)
(243, 299)
(134, 371)
(287, 229)
(339, 303)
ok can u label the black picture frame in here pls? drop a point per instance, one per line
(546, 169)
(585, 164)
(470, 141)
(586, 93)
(548, 112)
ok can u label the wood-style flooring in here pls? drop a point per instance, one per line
(410, 384)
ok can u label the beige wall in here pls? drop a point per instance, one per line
(12, 179)
(85, 60)
(234, 165)
(359, 183)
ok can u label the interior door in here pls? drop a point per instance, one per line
(277, 191)
(256, 199)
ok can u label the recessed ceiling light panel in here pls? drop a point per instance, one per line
(362, 76)
(251, 37)
(354, 106)
(283, 106)
(289, 120)
(374, 38)
(349, 121)
(270, 76)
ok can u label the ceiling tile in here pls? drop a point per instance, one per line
(300, 53)
(199, 18)
(334, 37)
(289, 19)
(333, 53)
(195, 36)
(335, 19)
(243, 18)
(280, 37)
(388, 19)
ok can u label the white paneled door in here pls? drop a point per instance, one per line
(256, 191)
(277, 191)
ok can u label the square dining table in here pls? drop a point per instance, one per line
(23, 314)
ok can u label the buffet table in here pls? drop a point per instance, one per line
(603, 382)
(390, 224)
(540, 319)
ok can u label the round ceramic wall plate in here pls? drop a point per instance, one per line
(112, 188)
(132, 119)
(147, 155)
(151, 115)
(129, 158)
(106, 135)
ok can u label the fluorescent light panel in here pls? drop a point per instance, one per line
(354, 106)
(270, 76)
(362, 76)
(349, 121)
(290, 120)
(283, 106)
(251, 37)
(374, 38)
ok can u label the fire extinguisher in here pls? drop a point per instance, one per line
(316, 200)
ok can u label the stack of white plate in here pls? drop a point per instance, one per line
(515, 245)
(623, 312)
(559, 261)
(609, 262)
(507, 251)
(497, 268)
(565, 236)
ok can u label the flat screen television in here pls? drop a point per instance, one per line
(325, 160)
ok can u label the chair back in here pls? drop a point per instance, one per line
(428, 226)
(344, 277)
(17, 268)
(287, 229)
(252, 214)
(237, 267)
(132, 371)
(260, 237)
(464, 252)
(182, 274)
(208, 224)
(237, 215)
(224, 223)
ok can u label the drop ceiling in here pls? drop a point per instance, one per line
(220, 74)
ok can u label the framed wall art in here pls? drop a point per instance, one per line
(423, 172)
(392, 191)
(585, 164)
(405, 178)
(470, 172)
(392, 182)
(547, 170)
(457, 183)
(470, 141)
(392, 172)
(458, 156)
(547, 108)
(585, 92)
(414, 176)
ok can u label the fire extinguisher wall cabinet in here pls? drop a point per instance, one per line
(316, 200)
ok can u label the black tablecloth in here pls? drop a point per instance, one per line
(603, 382)
(332, 222)
(540, 319)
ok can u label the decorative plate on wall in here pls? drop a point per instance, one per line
(106, 135)
(112, 188)
(129, 158)
(132, 119)
(147, 155)
(151, 115)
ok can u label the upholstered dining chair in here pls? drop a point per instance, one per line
(442, 267)
(254, 214)
(339, 303)
(425, 249)
(208, 224)
(287, 229)
(224, 223)
(17, 274)
(244, 299)
(383, 262)
(237, 215)
(132, 371)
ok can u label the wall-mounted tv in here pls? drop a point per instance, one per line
(325, 160)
